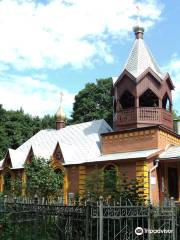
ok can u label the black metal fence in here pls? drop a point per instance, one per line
(32, 220)
(178, 221)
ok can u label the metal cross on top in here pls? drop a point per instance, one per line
(138, 15)
(61, 97)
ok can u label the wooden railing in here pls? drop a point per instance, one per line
(127, 115)
(149, 115)
(167, 118)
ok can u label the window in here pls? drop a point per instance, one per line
(7, 182)
(114, 106)
(148, 99)
(127, 100)
(110, 178)
(166, 104)
(58, 171)
(17, 184)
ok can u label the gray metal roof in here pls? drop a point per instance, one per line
(17, 158)
(124, 155)
(140, 59)
(128, 155)
(172, 152)
(1, 163)
(78, 143)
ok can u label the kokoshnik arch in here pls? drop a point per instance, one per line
(142, 143)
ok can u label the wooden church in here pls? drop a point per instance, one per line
(142, 143)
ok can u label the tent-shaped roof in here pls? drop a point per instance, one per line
(140, 59)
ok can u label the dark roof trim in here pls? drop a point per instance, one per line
(125, 73)
(169, 81)
(151, 72)
(143, 128)
(106, 161)
(169, 159)
(140, 77)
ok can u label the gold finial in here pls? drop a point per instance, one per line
(60, 115)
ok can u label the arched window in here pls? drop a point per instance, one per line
(166, 104)
(7, 182)
(58, 171)
(17, 184)
(114, 105)
(148, 99)
(127, 100)
(60, 174)
(110, 178)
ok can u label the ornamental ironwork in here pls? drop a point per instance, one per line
(31, 220)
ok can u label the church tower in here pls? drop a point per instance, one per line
(142, 93)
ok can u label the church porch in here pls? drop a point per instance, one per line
(169, 179)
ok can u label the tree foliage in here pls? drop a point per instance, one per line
(94, 102)
(16, 127)
(42, 180)
(175, 114)
(113, 187)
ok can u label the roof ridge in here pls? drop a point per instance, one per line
(138, 58)
(153, 58)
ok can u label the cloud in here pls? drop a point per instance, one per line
(66, 32)
(52, 34)
(33, 95)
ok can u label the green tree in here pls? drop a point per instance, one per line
(110, 181)
(3, 134)
(42, 180)
(94, 183)
(16, 127)
(175, 114)
(48, 122)
(4, 143)
(94, 102)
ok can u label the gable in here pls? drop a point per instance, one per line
(57, 154)
(169, 82)
(30, 156)
(7, 161)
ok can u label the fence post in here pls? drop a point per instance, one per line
(101, 218)
(88, 216)
(5, 201)
(35, 204)
(150, 220)
(173, 209)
